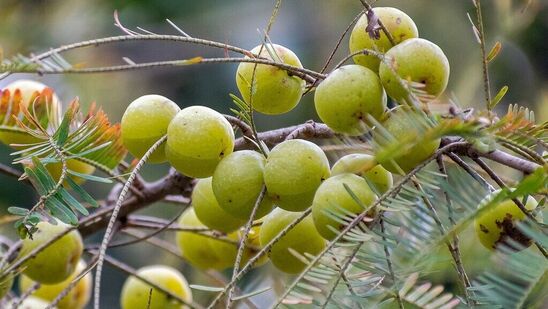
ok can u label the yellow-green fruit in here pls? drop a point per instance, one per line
(398, 24)
(208, 210)
(406, 125)
(237, 183)
(498, 225)
(303, 238)
(294, 170)
(227, 251)
(57, 261)
(28, 88)
(275, 90)
(30, 302)
(365, 165)
(77, 298)
(333, 200)
(415, 60)
(144, 122)
(196, 248)
(6, 282)
(136, 293)
(198, 138)
(345, 98)
(77, 166)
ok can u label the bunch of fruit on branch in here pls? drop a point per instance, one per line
(270, 188)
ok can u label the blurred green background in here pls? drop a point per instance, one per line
(309, 27)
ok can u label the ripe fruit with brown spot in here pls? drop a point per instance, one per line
(498, 225)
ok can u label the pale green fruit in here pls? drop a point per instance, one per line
(398, 24)
(208, 210)
(136, 293)
(31, 302)
(227, 251)
(237, 183)
(6, 282)
(333, 199)
(415, 60)
(275, 90)
(27, 88)
(345, 98)
(144, 122)
(294, 170)
(57, 261)
(499, 224)
(198, 138)
(365, 165)
(303, 238)
(403, 124)
(77, 298)
(196, 248)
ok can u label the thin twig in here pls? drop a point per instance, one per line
(486, 83)
(389, 262)
(242, 244)
(386, 32)
(255, 258)
(470, 171)
(114, 216)
(132, 272)
(342, 270)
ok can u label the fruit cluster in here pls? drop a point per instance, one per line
(272, 187)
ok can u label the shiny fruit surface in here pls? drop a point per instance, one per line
(77, 298)
(208, 210)
(303, 238)
(347, 96)
(144, 122)
(365, 165)
(333, 200)
(194, 247)
(136, 293)
(275, 90)
(198, 138)
(294, 170)
(57, 261)
(415, 60)
(237, 183)
(398, 24)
